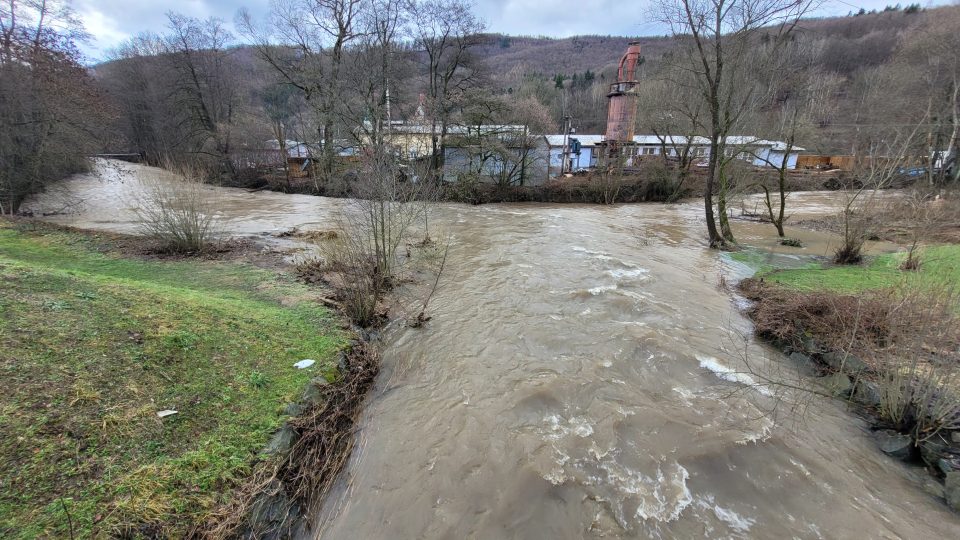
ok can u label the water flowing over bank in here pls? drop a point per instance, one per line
(582, 376)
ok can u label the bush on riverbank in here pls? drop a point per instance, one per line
(178, 214)
(95, 345)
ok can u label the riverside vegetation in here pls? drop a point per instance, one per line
(97, 341)
(167, 332)
(883, 335)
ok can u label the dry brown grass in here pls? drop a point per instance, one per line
(838, 321)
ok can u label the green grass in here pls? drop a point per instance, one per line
(93, 345)
(940, 266)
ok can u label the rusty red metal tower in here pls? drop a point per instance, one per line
(622, 99)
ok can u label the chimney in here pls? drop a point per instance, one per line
(622, 99)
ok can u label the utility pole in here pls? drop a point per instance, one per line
(566, 161)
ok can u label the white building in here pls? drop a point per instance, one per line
(759, 152)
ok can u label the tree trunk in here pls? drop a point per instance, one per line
(714, 236)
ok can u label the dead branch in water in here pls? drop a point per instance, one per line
(422, 317)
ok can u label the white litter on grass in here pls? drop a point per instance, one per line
(303, 364)
(166, 412)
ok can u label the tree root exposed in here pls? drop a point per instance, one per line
(285, 490)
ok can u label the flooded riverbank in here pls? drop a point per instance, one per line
(579, 378)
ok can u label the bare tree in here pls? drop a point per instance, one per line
(49, 108)
(671, 107)
(495, 138)
(803, 98)
(205, 84)
(930, 67)
(366, 259)
(719, 40)
(277, 107)
(445, 32)
(183, 96)
(375, 74)
(876, 167)
(136, 80)
(305, 43)
(882, 149)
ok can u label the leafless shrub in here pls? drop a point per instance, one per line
(877, 166)
(855, 222)
(907, 338)
(352, 274)
(854, 235)
(609, 181)
(919, 366)
(366, 258)
(388, 205)
(914, 219)
(178, 212)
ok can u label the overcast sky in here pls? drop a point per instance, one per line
(112, 21)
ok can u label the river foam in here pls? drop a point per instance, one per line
(727, 373)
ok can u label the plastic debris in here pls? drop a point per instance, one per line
(166, 412)
(303, 364)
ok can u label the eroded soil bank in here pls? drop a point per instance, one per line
(583, 375)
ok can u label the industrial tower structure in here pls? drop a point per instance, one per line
(622, 107)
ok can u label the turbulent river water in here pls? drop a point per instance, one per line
(583, 375)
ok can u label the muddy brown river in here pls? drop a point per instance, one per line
(582, 376)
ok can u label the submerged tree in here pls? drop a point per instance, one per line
(802, 97)
(718, 48)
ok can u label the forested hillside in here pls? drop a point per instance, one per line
(196, 92)
(551, 77)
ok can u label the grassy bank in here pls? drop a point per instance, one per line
(940, 266)
(93, 345)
